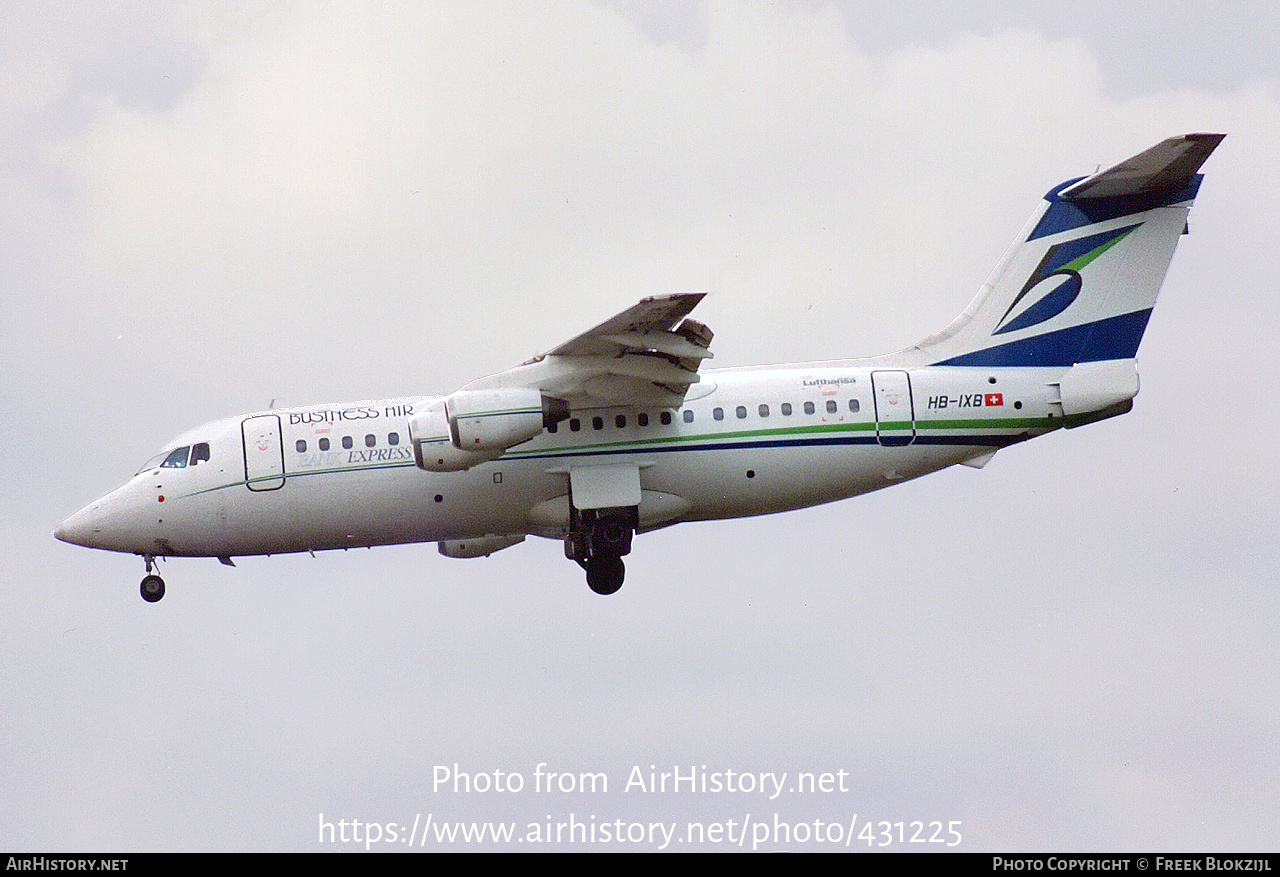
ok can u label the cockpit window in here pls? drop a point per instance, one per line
(153, 462)
(177, 458)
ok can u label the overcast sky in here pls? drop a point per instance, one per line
(207, 207)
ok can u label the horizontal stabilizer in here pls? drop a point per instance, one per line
(1166, 167)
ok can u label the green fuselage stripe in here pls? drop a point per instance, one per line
(664, 442)
(820, 429)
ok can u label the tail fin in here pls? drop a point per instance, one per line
(1080, 283)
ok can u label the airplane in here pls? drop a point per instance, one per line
(620, 430)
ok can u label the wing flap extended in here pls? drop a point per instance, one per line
(657, 315)
(648, 355)
(662, 342)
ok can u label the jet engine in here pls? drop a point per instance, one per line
(474, 426)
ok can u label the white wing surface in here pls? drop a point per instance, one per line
(648, 355)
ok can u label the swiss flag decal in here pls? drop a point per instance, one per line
(993, 399)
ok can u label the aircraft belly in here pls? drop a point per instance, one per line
(329, 510)
(656, 509)
(761, 481)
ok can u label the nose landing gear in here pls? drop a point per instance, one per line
(152, 587)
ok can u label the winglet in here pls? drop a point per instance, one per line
(1164, 168)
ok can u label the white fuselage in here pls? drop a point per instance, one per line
(746, 442)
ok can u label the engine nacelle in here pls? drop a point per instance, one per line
(480, 547)
(487, 420)
(433, 448)
(474, 426)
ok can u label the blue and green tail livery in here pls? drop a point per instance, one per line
(1080, 283)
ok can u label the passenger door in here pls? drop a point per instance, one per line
(895, 413)
(263, 452)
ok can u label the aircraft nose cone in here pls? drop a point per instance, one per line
(78, 530)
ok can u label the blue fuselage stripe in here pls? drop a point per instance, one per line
(989, 440)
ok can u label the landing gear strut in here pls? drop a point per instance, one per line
(597, 540)
(152, 587)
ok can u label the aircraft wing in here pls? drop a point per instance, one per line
(648, 355)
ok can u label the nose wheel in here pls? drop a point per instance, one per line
(152, 588)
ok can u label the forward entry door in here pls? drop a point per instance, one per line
(263, 452)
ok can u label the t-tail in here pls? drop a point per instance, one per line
(1075, 292)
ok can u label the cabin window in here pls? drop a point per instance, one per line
(553, 427)
(199, 453)
(346, 442)
(620, 421)
(717, 414)
(764, 410)
(324, 444)
(393, 438)
(665, 417)
(642, 419)
(574, 424)
(831, 406)
(808, 408)
(854, 406)
(370, 440)
(177, 458)
(597, 422)
(741, 411)
(688, 415)
(786, 409)
(301, 446)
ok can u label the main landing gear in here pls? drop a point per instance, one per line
(605, 573)
(152, 587)
(597, 540)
